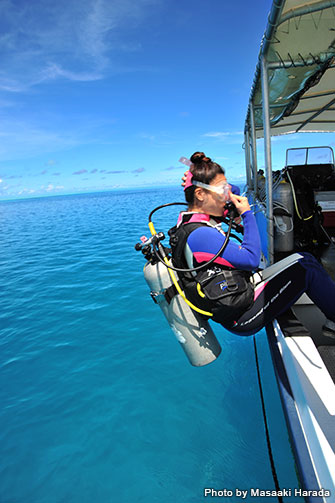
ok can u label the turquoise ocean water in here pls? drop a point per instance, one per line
(98, 401)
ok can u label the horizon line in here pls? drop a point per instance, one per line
(100, 191)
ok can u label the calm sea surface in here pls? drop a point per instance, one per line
(98, 401)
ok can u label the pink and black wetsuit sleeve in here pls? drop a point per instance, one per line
(204, 242)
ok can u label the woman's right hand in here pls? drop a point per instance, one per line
(183, 179)
(241, 203)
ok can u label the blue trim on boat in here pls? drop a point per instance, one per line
(262, 226)
(304, 464)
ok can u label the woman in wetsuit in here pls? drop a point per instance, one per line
(270, 298)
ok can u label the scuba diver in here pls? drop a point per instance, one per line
(226, 287)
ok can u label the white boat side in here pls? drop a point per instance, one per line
(294, 91)
(314, 394)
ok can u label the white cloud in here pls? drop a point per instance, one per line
(13, 191)
(54, 71)
(26, 191)
(223, 134)
(46, 40)
(19, 139)
(147, 136)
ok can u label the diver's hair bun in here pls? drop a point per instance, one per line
(199, 158)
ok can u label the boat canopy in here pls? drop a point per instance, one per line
(299, 50)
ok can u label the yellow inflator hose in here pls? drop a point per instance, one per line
(296, 203)
(175, 282)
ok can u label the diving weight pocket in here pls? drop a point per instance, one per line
(230, 293)
(222, 284)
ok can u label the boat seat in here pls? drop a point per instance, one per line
(274, 269)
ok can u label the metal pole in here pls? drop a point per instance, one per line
(268, 161)
(273, 18)
(253, 143)
(306, 9)
(247, 157)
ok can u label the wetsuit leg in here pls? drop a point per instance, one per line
(282, 290)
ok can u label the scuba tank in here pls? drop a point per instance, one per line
(191, 329)
(187, 321)
(283, 215)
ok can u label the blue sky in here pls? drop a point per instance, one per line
(103, 94)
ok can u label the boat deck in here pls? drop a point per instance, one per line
(309, 321)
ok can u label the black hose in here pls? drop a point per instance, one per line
(164, 206)
(266, 426)
(205, 264)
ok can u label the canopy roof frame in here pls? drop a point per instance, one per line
(307, 67)
(326, 107)
(292, 89)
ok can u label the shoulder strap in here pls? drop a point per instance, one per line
(178, 238)
(180, 233)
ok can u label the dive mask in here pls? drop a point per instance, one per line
(221, 189)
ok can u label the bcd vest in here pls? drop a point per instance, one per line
(223, 291)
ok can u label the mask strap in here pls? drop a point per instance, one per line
(188, 181)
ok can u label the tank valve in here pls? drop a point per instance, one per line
(147, 242)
